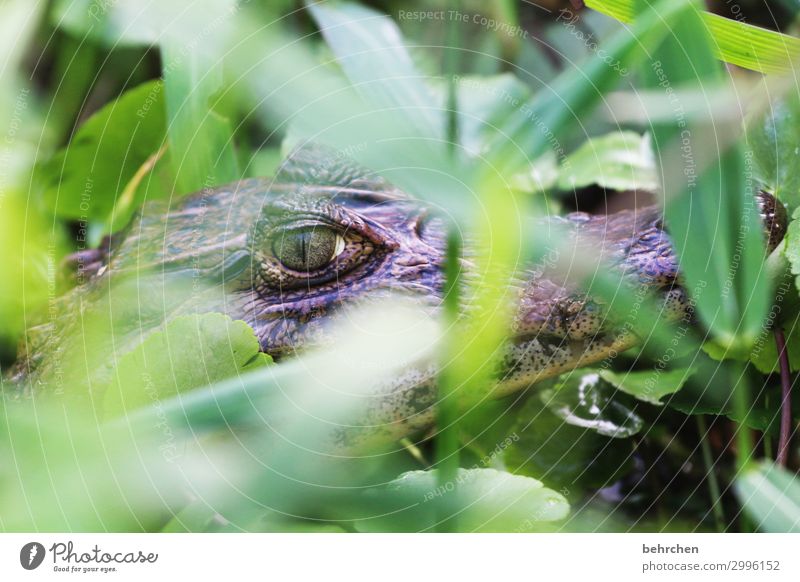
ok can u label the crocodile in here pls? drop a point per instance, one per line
(323, 234)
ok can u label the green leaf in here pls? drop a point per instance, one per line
(85, 180)
(651, 385)
(774, 137)
(621, 160)
(735, 42)
(484, 500)
(191, 41)
(200, 139)
(792, 251)
(562, 454)
(191, 351)
(588, 401)
(711, 390)
(770, 495)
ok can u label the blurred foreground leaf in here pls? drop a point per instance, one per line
(116, 23)
(770, 495)
(191, 351)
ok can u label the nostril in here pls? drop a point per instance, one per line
(412, 261)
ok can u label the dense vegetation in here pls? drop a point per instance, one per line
(498, 113)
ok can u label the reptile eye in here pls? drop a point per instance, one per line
(307, 249)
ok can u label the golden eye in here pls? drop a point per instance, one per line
(307, 248)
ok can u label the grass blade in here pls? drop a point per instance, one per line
(735, 42)
(369, 47)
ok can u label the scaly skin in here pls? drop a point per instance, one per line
(391, 243)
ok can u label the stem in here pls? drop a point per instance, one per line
(741, 404)
(450, 69)
(711, 476)
(786, 399)
(447, 412)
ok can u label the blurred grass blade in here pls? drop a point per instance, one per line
(18, 22)
(708, 204)
(542, 123)
(735, 42)
(369, 47)
(770, 495)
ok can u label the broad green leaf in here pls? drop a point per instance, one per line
(587, 401)
(483, 500)
(651, 385)
(735, 42)
(191, 351)
(764, 354)
(621, 160)
(711, 390)
(191, 40)
(770, 495)
(774, 138)
(85, 180)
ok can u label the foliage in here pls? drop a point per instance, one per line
(169, 395)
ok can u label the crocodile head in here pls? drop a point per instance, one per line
(286, 254)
